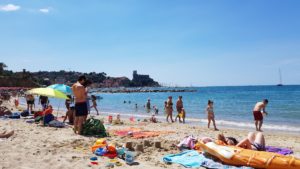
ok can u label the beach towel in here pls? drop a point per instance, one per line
(193, 159)
(282, 151)
(189, 158)
(124, 132)
(55, 123)
(138, 133)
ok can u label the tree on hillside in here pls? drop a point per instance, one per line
(2, 67)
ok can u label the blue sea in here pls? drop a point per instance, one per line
(232, 105)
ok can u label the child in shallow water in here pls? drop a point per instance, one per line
(182, 115)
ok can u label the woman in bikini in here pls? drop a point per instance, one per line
(169, 109)
(94, 101)
(254, 141)
(211, 114)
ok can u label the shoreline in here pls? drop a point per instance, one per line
(195, 121)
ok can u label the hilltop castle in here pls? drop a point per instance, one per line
(143, 80)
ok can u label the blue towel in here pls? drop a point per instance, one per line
(193, 159)
(189, 158)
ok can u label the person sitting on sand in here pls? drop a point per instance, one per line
(210, 114)
(179, 106)
(153, 119)
(258, 111)
(94, 103)
(118, 120)
(169, 109)
(6, 134)
(70, 110)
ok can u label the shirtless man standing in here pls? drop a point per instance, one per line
(81, 110)
(258, 111)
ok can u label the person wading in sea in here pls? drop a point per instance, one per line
(169, 109)
(179, 106)
(258, 111)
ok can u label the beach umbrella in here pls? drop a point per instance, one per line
(61, 87)
(49, 92)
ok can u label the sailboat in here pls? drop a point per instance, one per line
(280, 79)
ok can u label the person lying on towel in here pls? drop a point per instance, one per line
(254, 141)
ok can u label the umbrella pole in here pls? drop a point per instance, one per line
(58, 109)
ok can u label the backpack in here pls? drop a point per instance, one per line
(94, 127)
(25, 113)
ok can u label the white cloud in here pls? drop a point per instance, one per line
(44, 10)
(9, 7)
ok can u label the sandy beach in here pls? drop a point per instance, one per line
(35, 146)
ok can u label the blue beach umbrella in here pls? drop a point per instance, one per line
(61, 87)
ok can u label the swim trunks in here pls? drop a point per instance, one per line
(81, 109)
(30, 102)
(259, 147)
(257, 115)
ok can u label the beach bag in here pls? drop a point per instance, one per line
(25, 113)
(94, 127)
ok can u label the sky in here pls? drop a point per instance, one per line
(176, 42)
